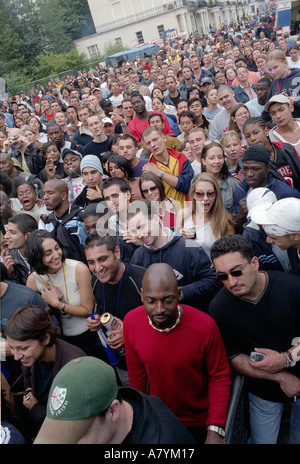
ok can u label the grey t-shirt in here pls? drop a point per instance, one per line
(221, 122)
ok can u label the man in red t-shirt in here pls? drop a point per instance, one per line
(178, 352)
(140, 122)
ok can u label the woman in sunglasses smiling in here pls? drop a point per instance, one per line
(152, 189)
(205, 218)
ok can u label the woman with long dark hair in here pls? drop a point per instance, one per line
(152, 189)
(54, 168)
(64, 284)
(118, 166)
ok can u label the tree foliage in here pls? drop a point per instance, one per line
(35, 34)
(53, 63)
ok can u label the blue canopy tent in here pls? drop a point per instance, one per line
(132, 53)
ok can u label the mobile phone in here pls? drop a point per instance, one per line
(255, 356)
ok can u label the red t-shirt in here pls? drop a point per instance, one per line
(187, 367)
(49, 116)
(137, 126)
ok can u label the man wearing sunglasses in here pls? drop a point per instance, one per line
(259, 311)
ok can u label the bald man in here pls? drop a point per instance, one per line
(67, 226)
(176, 352)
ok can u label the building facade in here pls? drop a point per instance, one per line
(134, 22)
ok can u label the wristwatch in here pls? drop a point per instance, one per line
(218, 430)
(160, 174)
(295, 352)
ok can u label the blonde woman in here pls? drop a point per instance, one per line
(285, 80)
(205, 219)
(238, 117)
(213, 162)
(232, 145)
(260, 62)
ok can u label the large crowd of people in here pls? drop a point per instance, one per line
(162, 195)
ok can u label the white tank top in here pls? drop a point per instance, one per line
(204, 234)
(71, 325)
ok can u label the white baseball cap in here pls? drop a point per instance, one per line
(260, 196)
(107, 120)
(276, 99)
(281, 218)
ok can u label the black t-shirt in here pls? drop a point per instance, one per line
(287, 163)
(44, 379)
(153, 422)
(176, 99)
(95, 148)
(122, 297)
(270, 322)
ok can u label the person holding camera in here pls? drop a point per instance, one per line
(29, 156)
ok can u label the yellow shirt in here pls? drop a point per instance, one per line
(173, 169)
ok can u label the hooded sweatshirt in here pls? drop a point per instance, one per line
(289, 86)
(194, 271)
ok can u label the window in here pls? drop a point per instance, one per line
(93, 51)
(161, 30)
(118, 40)
(139, 36)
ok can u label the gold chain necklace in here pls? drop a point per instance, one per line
(168, 329)
(65, 281)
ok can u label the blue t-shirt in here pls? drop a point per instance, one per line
(138, 170)
(17, 295)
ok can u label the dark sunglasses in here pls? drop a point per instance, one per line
(223, 276)
(150, 190)
(209, 194)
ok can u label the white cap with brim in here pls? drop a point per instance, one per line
(82, 389)
(281, 218)
(276, 99)
(260, 196)
(107, 120)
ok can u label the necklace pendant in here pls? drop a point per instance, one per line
(168, 329)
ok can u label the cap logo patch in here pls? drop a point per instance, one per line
(58, 403)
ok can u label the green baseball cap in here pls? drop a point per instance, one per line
(82, 389)
(17, 164)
